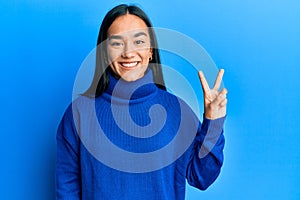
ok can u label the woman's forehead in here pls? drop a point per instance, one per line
(127, 25)
(130, 34)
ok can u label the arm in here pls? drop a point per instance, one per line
(68, 182)
(206, 156)
(207, 151)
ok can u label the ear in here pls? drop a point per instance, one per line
(150, 54)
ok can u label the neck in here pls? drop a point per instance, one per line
(120, 89)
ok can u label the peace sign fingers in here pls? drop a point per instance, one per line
(214, 101)
(204, 84)
(218, 80)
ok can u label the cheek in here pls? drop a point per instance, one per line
(146, 55)
(113, 54)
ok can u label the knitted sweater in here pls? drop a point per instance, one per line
(135, 141)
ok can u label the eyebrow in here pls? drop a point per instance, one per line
(140, 34)
(118, 37)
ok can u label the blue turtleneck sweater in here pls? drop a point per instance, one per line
(135, 141)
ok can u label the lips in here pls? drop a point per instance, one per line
(128, 64)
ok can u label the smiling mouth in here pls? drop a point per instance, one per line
(128, 65)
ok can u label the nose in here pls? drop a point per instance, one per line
(128, 51)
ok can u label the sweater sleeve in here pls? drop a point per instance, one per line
(206, 157)
(67, 161)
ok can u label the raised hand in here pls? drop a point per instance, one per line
(214, 101)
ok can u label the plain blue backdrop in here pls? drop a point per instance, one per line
(43, 44)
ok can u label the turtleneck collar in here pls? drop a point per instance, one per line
(119, 89)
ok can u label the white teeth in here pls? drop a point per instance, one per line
(129, 64)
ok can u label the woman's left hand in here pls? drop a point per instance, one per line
(214, 101)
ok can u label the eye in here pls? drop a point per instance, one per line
(116, 44)
(139, 42)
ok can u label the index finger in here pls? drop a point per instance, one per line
(204, 84)
(218, 81)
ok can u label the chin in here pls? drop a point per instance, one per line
(128, 77)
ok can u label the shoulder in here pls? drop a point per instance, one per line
(168, 96)
(175, 101)
(76, 106)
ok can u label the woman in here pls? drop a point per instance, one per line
(136, 113)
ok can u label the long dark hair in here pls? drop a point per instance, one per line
(101, 80)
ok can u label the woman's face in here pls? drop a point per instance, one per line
(129, 48)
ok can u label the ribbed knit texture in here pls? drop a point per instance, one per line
(80, 175)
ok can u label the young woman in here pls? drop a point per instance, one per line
(162, 142)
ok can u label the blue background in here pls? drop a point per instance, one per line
(44, 42)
